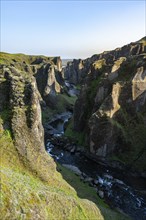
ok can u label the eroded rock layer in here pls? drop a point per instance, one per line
(31, 188)
(111, 108)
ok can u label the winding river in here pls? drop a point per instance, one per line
(119, 190)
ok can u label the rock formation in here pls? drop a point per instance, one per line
(22, 100)
(77, 70)
(31, 188)
(111, 108)
(110, 112)
(47, 71)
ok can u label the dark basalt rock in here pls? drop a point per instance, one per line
(111, 107)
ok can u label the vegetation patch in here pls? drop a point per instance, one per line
(65, 102)
(7, 58)
(84, 191)
(24, 196)
(5, 115)
(90, 96)
(76, 136)
(133, 131)
(127, 69)
(62, 103)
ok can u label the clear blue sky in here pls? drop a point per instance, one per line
(71, 29)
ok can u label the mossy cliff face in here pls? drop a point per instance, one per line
(46, 70)
(111, 108)
(25, 196)
(22, 101)
(31, 188)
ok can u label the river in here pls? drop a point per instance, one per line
(118, 189)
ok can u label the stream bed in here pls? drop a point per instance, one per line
(127, 193)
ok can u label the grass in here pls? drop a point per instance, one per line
(78, 86)
(63, 103)
(25, 196)
(47, 114)
(31, 188)
(93, 88)
(77, 136)
(84, 191)
(127, 69)
(132, 130)
(7, 58)
(90, 96)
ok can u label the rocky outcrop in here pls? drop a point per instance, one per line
(31, 188)
(22, 99)
(47, 71)
(139, 83)
(77, 70)
(49, 81)
(111, 108)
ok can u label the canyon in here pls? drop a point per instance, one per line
(104, 98)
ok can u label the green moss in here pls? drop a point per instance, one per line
(7, 58)
(62, 103)
(90, 96)
(31, 188)
(119, 126)
(47, 114)
(94, 85)
(70, 99)
(5, 114)
(77, 136)
(132, 130)
(127, 70)
(24, 196)
(84, 191)
(78, 86)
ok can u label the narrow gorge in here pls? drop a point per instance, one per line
(73, 136)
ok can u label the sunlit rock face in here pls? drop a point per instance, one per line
(46, 80)
(77, 70)
(22, 100)
(139, 83)
(49, 79)
(31, 187)
(111, 108)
